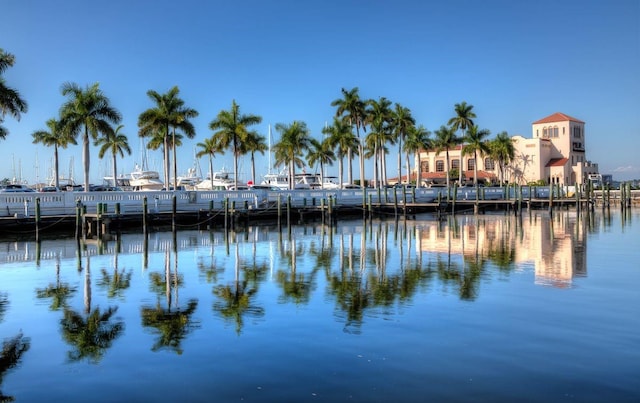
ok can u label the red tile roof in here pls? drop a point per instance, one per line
(557, 162)
(557, 117)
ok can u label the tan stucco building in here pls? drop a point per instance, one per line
(556, 153)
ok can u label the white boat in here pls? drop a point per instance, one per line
(330, 182)
(301, 181)
(221, 180)
(190, 180)
(145, 180)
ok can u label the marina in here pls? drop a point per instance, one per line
(91, 213)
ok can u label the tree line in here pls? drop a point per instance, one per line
(87, 114)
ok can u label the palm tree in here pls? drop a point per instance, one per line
(341, 139)
(353, 110)
(379, 118)
(55, 137)
(169, 113)
(401, 122)
(209, 147)
(476, 143)
(445, 140)
(294, 140)
(88, 111)
(230, 129)
(320, 152)
(116, 143)
(254, 143)
(10, 100)
(502, 151)
(417, 139)
(462, 121)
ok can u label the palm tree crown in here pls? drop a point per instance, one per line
(353, 110)
(116, 143)
(169, 113)
(476, 143)
(445, 140)
(10, 100)
(57, 138)
(87, 111)
(294, 140)
(230, 130)
(502, 151)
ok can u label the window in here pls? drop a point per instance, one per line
(544, 133)
(439, 166)
(489, 164)
(424, 166)
(555, 131)
(455, 164)
(471, 163)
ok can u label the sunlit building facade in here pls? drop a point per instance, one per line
(555, 154)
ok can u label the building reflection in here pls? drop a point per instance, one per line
(555, 245)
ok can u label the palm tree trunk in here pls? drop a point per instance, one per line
(475, 169)
(115, 170)
(253, 168)
(211, 171)
(166, 161)
(408, 168)
(400, 159)
(175, 161)
(235, 162)
(85, 158)
(447, 174)
(340, 173)
(55, 166)
(350, 166)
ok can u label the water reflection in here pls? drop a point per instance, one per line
(91, 332)
(12, 350)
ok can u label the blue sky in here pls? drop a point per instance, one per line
(514, 61)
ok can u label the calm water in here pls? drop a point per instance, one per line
(486, 308)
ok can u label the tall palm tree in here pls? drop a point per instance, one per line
(341, 139)
(353, 110)
(87, 111)
(116, 143)
(55, 137)
(476, 143)
(294, 140)
(418, 138)
(10, 100)
(401, 122)
(502, 151)
(231, 129)
(169, 113)
(461, 122)
(321, 153)
(379, 118)
(254, 143)
(209, 147)
(445, 140)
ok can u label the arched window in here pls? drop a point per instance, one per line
(439, 166)
(544, 133)
(424, 166)
(471, 163)
(555, 131)
(489, 164)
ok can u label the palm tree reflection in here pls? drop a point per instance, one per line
(171, 323)
(90, 333)
(59, 292)
(235, 300)
(12, 350)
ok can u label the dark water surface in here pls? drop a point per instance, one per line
(472, 308)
